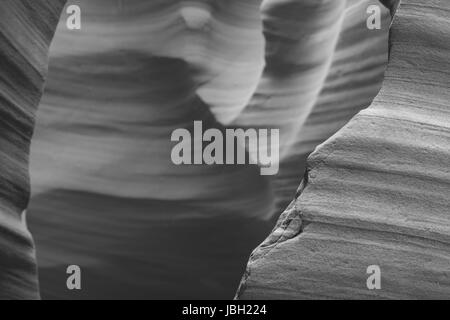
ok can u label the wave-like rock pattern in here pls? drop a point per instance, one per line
(101, 171)
(353, 79)
(105, 194)
(377, 192)
(26, 29)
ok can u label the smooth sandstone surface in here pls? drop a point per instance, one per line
(105, 193)
(376, 192)
(354, 77)
(26, 29)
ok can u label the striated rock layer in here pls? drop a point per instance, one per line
(377, 192)
(106, 195)
(353, 78)
(26, 28)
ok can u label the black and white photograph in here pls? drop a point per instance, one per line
(244, 151)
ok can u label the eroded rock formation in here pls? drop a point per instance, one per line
(377, 192)
(105, 193)
(102, 175)
(26, 28)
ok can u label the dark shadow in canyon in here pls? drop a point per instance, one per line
(150, 245)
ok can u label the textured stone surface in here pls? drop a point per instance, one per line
(105, 193)
(353, 80)
(26, 28)
(377, 192)
(101, 172)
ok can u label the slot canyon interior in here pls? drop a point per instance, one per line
(86, 176)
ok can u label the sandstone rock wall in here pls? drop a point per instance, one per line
(377, 192)
(26, 29)
(106, 195)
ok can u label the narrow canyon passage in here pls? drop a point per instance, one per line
(128, 216)
(100, 167)
(105, 194)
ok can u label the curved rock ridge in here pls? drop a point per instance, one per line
(353, 79)
(376, 193)
(26, 29)
(106, 195)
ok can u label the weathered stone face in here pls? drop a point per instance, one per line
(392, 5)
(117, 91)
(26, 29)
(376, 194)
(106, 196)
